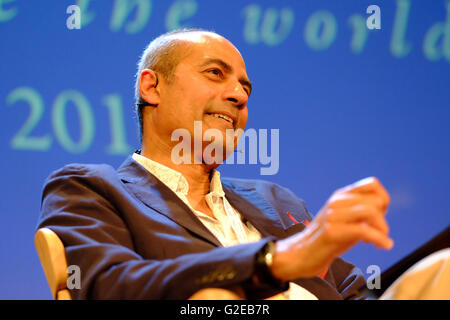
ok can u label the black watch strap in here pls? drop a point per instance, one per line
(263, 262)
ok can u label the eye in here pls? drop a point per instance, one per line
(215, 71)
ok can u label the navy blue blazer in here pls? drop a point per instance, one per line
(133, 238)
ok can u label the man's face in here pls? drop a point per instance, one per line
(209, 85)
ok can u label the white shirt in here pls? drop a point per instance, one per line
(227, 225)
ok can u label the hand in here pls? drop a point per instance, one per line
(352, 214)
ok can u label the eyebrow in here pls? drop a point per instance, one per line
(229, 69)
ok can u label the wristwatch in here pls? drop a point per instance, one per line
(263, 263)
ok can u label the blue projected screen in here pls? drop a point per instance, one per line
(337, 97)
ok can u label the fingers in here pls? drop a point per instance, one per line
(360, 208)
(363, 232)
(347, 199)
(370, 187)
(360, 213)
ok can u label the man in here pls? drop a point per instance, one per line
(158, 228)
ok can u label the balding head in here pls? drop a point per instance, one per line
(162, 55)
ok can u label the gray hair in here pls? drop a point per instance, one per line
(161, 56)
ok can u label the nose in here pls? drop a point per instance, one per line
(236, 94)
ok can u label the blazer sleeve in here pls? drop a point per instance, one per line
(76, 205)
(347, 278)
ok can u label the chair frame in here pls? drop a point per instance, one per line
(53, 260)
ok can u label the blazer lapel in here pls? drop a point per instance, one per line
(157, 196)
(259, 212)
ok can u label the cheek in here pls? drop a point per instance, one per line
(179, 107)
(195, 100)
(243, 117)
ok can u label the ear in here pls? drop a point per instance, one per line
(147, 87)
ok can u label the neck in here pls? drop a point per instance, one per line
(197, 175)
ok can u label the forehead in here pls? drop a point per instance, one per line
(204, 46)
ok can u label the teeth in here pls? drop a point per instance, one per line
(217, 115)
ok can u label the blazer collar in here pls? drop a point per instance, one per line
(157, 196)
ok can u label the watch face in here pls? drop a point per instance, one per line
(270, 250)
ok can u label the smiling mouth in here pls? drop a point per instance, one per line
(222, 116)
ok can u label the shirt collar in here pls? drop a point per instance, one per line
(216, 185)
(174, 179)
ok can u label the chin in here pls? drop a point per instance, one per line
(211, 166)
(214, 155)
